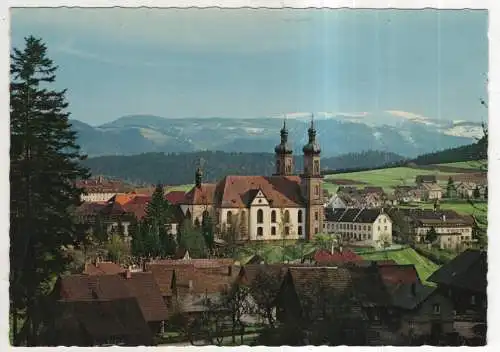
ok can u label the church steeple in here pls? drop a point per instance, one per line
(284, 153)
(198, 177)
(312, 147)
(312, 184)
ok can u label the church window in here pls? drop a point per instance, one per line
(273, 216)
(316, 190)
(299, 216)
(260, 216)
(316, 166)
(229, 217)
(260, 231)
(287, 216)
(273, 230)
(287, 230)
(316, 216)
(300, 230)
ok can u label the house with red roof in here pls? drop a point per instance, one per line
(265, 208)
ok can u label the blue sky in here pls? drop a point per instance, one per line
(254, 63)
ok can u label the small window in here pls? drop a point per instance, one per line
(287, 230)
(436, 309)
(299, 216)
(260, 231)
(379, 228)
(273, 230)
(229, 216)
(287, 216)
(300, 230)
(260, 216)
(316, 230)
(385, 228)
(316, 216)
(273, 216)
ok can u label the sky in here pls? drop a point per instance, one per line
(245, 63)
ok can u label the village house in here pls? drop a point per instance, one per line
(467, 190)
(408, 194)
(431, 191)
(363, 227)
(453, 230)
(123, 290)
(100, 189)
(265, 208)
(425, 179)
(464, 281)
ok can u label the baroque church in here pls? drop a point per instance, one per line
(265, 208)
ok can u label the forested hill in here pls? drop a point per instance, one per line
(179, 168)
(475, 151)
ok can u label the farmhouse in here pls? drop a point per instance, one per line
(431, 191)
(453, 229)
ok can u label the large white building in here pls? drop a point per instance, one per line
(359, 226)
(282, 206)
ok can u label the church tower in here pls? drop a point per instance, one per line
(312, 185)
(284, 154)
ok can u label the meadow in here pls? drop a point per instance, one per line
(386, 178)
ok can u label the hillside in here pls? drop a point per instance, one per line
(175, 169)
(338, 135)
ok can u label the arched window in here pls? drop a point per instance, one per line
(300, 230)
(299, 216)
(273, 216)
(287, 216)
(316, 166)
(260, 231)
(229, 217)
(260, 216)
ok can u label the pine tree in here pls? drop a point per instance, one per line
(192, 240)
(207, 231)
(450, 188)
(137, 244)
(44, 165)
(477, 193)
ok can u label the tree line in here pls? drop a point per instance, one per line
(178, 168)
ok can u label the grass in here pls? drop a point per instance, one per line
(386, 178)
(424, 266)
(473, 164)
(184, 188)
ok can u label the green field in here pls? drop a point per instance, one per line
(386, 178)
(180, 188)
(406, 256)
(473, 165)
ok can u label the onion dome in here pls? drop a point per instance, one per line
(312, 147)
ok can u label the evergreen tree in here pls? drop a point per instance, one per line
(167, 243)
(99, 231)
(477, 193)
(207, 230)
(157, 209)
(431, 236)
(137, 245)
(450, 188)
(44, 165)
(192, 240)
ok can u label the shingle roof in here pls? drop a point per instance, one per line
(112, 287)
(468, 271)
(102, 268)
(143, 286)
(175, 197)
(201, 195)
(103, 319)
(357, 215)
(425, 178)
(435, 218)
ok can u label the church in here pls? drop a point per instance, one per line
(265, 208)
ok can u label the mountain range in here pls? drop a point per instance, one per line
(404, 133)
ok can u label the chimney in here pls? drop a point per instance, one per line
(128, 274)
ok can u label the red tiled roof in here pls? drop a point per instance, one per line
(175, 197)
(398, 274)
(103, 268)
(323, 257)
(281, 191)
(201, 195)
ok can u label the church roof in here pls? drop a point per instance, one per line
(201, 195)
(239, 191)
